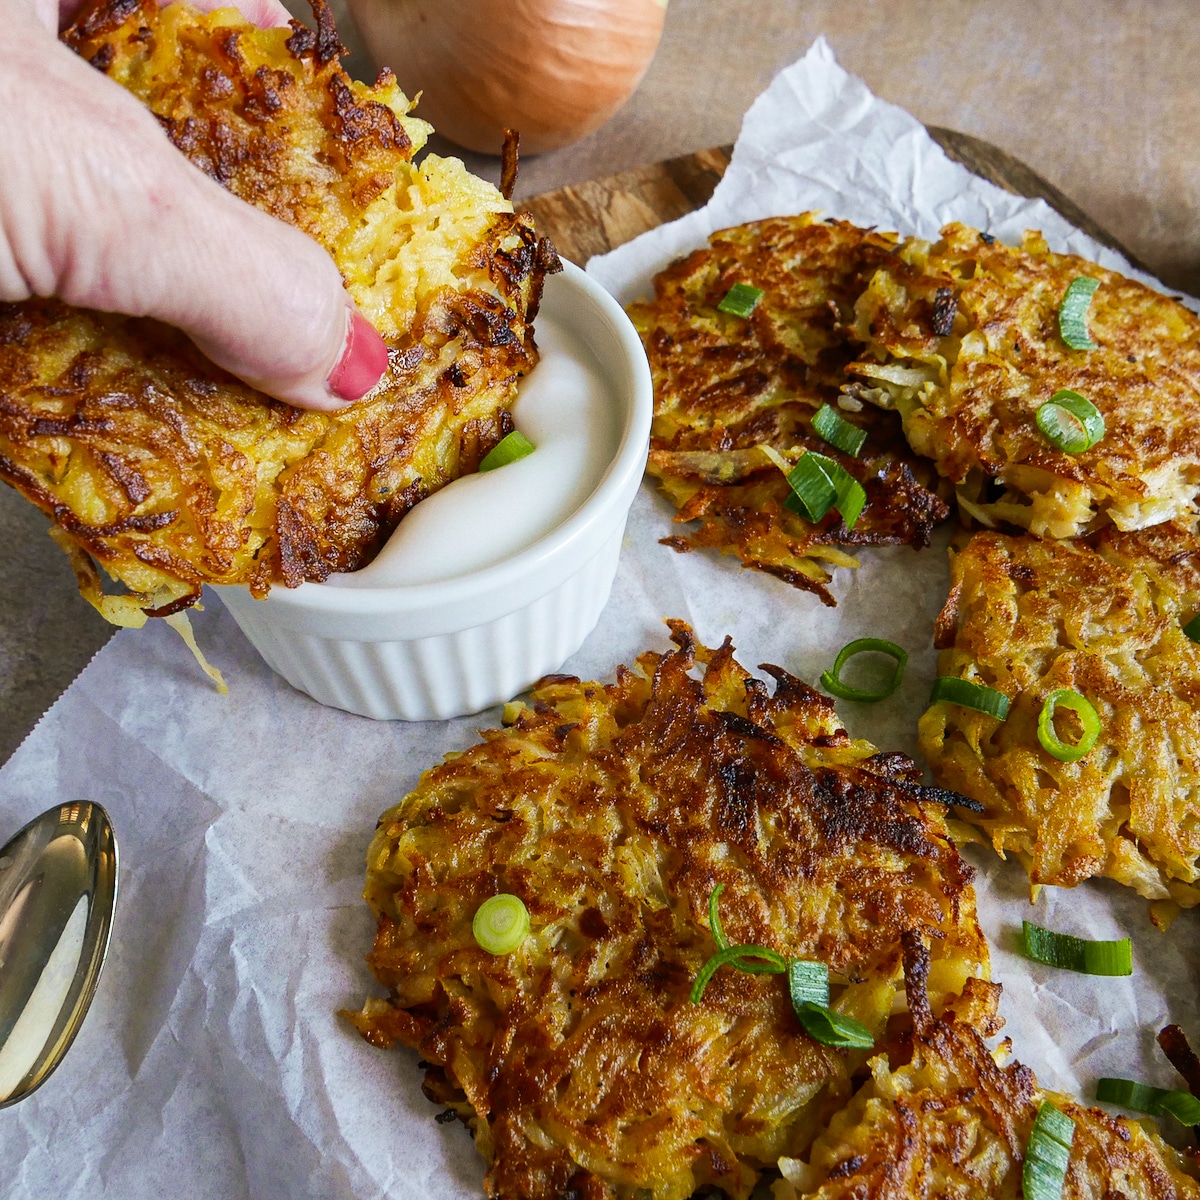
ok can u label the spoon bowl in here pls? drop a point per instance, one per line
(58, 889)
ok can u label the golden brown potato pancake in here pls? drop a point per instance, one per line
(954, 1124)
(1102, 617)
(724, 387)
(963, 340)
(169, 472)
(613, 811)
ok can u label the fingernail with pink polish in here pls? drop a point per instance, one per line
(363, 362)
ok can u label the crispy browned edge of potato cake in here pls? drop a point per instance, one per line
(725, 385)
(713, 762)
(137, 385)
(941, 1116)
(1103, 616)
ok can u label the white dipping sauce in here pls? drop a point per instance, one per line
(565, 408)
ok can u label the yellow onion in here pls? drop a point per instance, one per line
(553, 70)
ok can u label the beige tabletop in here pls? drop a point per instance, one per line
(1101, 97)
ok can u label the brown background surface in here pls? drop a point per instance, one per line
(1101, 97)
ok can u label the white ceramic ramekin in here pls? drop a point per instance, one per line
(436, 650)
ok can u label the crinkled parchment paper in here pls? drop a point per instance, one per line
(212, 1064)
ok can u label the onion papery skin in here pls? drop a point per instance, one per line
(553, 70)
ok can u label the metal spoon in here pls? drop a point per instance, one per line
(58, 887)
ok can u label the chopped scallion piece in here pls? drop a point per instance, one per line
(831, 681)
(852, 497)
(507, 450)
(1089, 718)
(1047, 1154)
(808, 982)
(758, 960)
(819, 484)
(968, 694)
(741, 300)
(832, 1028)
(1128, 1093)
(501, 923)
(1071, 421)
(754, 960)
(837, 431)
(1192, 628)
(1072, 312)
(1076, 954)
(714, 918)
(1183, 1106)
(1141, 1097)
(813, 493)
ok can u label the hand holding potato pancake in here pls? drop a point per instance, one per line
(155, 464)
(98, 209)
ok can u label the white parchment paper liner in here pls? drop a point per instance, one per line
(213, 1065)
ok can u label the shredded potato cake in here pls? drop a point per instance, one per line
(1102, 617)
(962, 338)
(170, 473)
(950, 1121)
(734, 397)
(613, 811)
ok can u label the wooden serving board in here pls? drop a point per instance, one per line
(597, 216)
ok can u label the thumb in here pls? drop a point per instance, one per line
(109, 215)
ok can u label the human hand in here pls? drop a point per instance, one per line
(100, 210)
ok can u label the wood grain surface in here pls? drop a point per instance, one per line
(597, 216)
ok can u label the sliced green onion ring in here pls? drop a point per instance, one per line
(507, 450)
(831, 681)
(741, 300)
(754, 960)
(1076, 954)
(1089, 718)
(808, 982)
(819, 484)
(831, 1028)
(837, 431)
(501, 923)
(1072, 312)
(1141, 1097)
(714, 918)
(967, 694)
(1192, 628)
(1047, 1154)
(758, 960)
(1071, 421)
